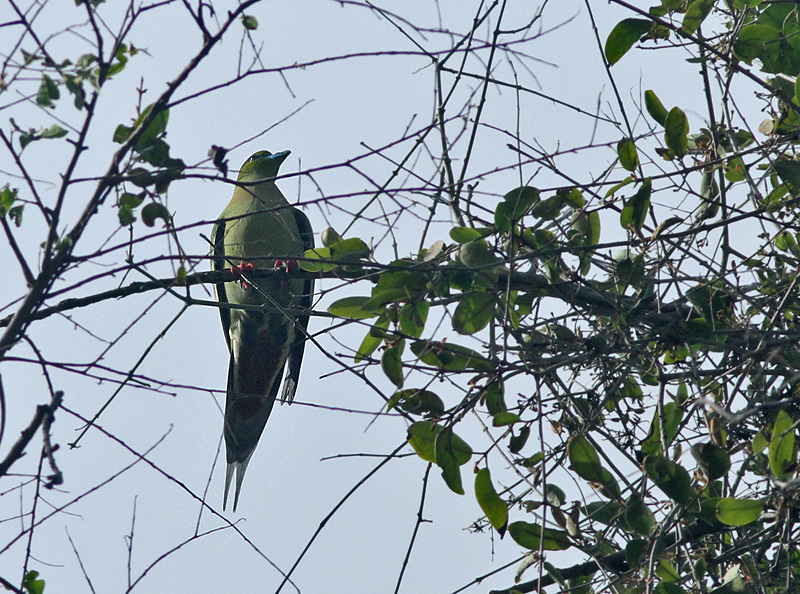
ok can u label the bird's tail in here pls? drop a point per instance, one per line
(240, 468)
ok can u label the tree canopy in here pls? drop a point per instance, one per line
(591, 333)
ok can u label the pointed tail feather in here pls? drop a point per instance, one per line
(240, 468)
(289, 388)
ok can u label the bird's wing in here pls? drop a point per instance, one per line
(295, 358)
(219, 263)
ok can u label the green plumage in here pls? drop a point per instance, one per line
(268, 335)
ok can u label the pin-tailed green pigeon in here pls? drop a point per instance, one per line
(259, 229)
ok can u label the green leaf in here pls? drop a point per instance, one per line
(712, 459)
(156, 153)
(555, 495)
(26, 138)
(572, 197)
(474, 312)
(517, 442)
(373, 339)
(781, 445)
(154, 129)
(738, 512)
(127, 204)
(605, 512)
(797, 90)
(759, 442)
(672, 418)
(655, 108)
(695, 15)
(48, 92)
(325, 259)
(121, 134)
(467, 234)
(249, 22)
(670, 477)
(54, 131)
(533, 538)
(493, 506)
(515, 205)
(15, 214)
(353, 308)
(666, 587)
(28, 58)
(172, 170)
(676, 131)
(31, 584)
(413, 316)
(734, 170)
(638, 515)
(732, 582)
(635, 551)
(700, 569)
(623, 36)
(635, 209)
(503, 419)
(548, 209)
(583, 459)
(477, 254)
(383, 297)
(451, 453)
(417, 402)
(8, 196)
(587, 224)
(789, 172)
(493, 395)
(422, 437)
(181, 275)
(115, 68)
(450, 356)
(761, 42)
(141, 177)
(392, 363)
(667, 572)
(617, 187)
(154, 211)
(628, 157)
(397, 286)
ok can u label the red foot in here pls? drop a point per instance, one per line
(288, 266)
(237, 273)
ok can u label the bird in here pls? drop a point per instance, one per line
(267, 335)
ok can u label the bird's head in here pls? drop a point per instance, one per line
(262, 164)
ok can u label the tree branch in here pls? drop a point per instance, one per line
(44, 412)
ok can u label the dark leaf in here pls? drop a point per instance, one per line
(635, 209)
(493, 506)
(474, 312)
(392, 363)
(533, 538)
(655, 108)
(623, 36)
(628, 157)
(676, 131)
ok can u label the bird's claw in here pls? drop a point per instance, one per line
(238, 274)
(288, 267)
